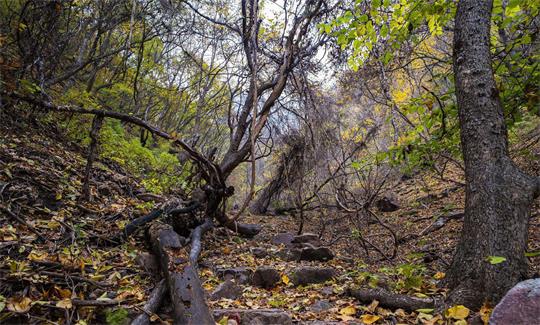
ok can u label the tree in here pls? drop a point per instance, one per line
(498, 195)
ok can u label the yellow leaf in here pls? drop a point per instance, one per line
(439, 275)
(457, 312)
(369, 319)
(485, 313)
(348, 311)
(19, 305)
(64, 303)
(285, 279)
(372, 306)
(62, 293)
(460, 322)
(226, 250)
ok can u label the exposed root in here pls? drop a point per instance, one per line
(392, 300)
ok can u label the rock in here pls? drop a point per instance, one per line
(242, 275)
(306, 238)
(307, 275)
(520, 305)
(290, 254)
(259, 252)
(254, 316)
(265, 277)
(285, 238)
(322, 254)
(321, 305)
(228, 289)
(387, 204)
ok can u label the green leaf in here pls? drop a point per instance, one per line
(355, 165)
(532, 254)
(495, 259)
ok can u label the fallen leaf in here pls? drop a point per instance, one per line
(439, 275)
(369, 319)
(485, 313)
(64, 303)
(457, 312)
(285, 279)
(372, 306)
(347, 311)
(19, 305)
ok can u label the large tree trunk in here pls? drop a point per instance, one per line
(498, 195)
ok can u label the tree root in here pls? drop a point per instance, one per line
(391, 300)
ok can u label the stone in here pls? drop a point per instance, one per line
(284, 238)
(321, 254)
(520, 305)
(265, 277)
(321, 305)
(308, 275)
(290, 254)
(228, 289)
(254, 316)
(306, 238)
(259, 252)
(242, 275)
(387, 204)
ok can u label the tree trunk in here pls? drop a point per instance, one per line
(498, 196)
(97, 122)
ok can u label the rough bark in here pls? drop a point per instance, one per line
(498, 196)
(180, 273)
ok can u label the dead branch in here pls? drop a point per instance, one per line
(184, 285)
(152, 305)
(391, 300)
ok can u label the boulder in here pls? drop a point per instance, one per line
(321, 254)
(284, 238)
(228, 289)
(387, 204)
(308, 275)
(265, 277)
(254, 316)
(290, 254)
(242, 275)
(520, 305)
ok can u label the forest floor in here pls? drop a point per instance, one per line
(57, 265)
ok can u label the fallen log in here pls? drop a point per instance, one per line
(152, 305)
(180, 273)
(243, 229)
(441, 222)
(392, 300)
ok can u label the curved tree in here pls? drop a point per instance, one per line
(498, 194)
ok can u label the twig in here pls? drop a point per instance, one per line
(75, 277)
(21, 221)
